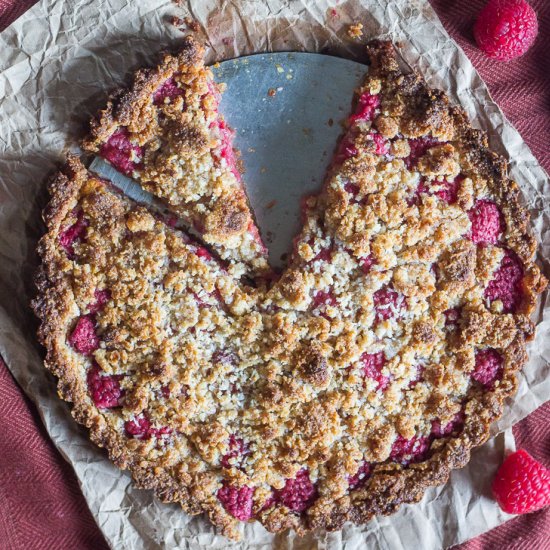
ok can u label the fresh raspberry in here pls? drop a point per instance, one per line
(454, 425)
(488, 367)
(366, 108)
(298, 494)
(506, 29)
(522, 484)
(237, 500)
(121, 152)
(168, 90)
(419, 147)
(105, 390)
(406, 451)
(388, 304)
(237, 449)
(506, 284)
(83, 338)
(72, 234)
(139, 427)
(360, 476)
(367, 263)
(373, 363)
(101, 298)
(487, 222)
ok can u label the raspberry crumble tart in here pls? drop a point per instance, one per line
(350, 384)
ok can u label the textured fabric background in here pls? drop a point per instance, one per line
(41, 506)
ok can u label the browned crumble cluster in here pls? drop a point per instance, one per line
(350, 385)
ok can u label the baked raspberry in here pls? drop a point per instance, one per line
(366, 108)
(325, 255)
(352, 189)
(487, 222)
(139, 427)
(451, 318)
(506, 284)
(448, 190)
(165, 391)
(388, 304)
(407, 451)
(323, 297)
(373, 363)
(346, 149)
(298, 494)
(506, 29)
(454, 425)
(101, 298)
(83, 338)
(104, 390)
(418, 376)
(363, 473)
(203, 253)
(121, 152)
(237, 448)
(72, 234)
(237, 500)
(419, 147)
(382, 145)
(226, 151)
(167, 91)
(522, 484)
(367, 263)
(488, 367)
(225, 356)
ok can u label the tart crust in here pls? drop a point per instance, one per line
(304, 348)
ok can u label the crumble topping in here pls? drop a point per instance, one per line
(339, 390)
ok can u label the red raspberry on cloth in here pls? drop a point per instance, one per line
(237, 500)
(83, 338)
(522, 484)
(104, 390)
(298, 494)
(506, 29)
(487, 223)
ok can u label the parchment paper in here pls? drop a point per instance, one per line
(56, 63)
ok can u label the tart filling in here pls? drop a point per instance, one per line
(357, 379)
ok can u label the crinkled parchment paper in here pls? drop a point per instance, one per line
(56, 63)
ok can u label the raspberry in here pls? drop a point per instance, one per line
(522, 484)
(448, 190)
(226, 151)
(237, 449)
(417, 376)
(406, 451)
(298, 494)
(506, 29)
(121, 152)
(360, 477)
(367, 263)
(451, 318)
(373, 363)
(324, 298)
(351, 188)
(325, 255)
(487, 223)
(237, 500)
(454, 425)
(488, 367)
(506, 284)
(382, 145)
(366, 108)
(105, 390)
(168, 90)
(202, 252)
(73, 234)
(101, 298)
(388, 304)
(140, 427)
(419, 148)
(83, 338)
(346, 149)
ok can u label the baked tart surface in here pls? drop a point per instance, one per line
(346, 386)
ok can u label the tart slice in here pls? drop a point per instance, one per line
(165, 131)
